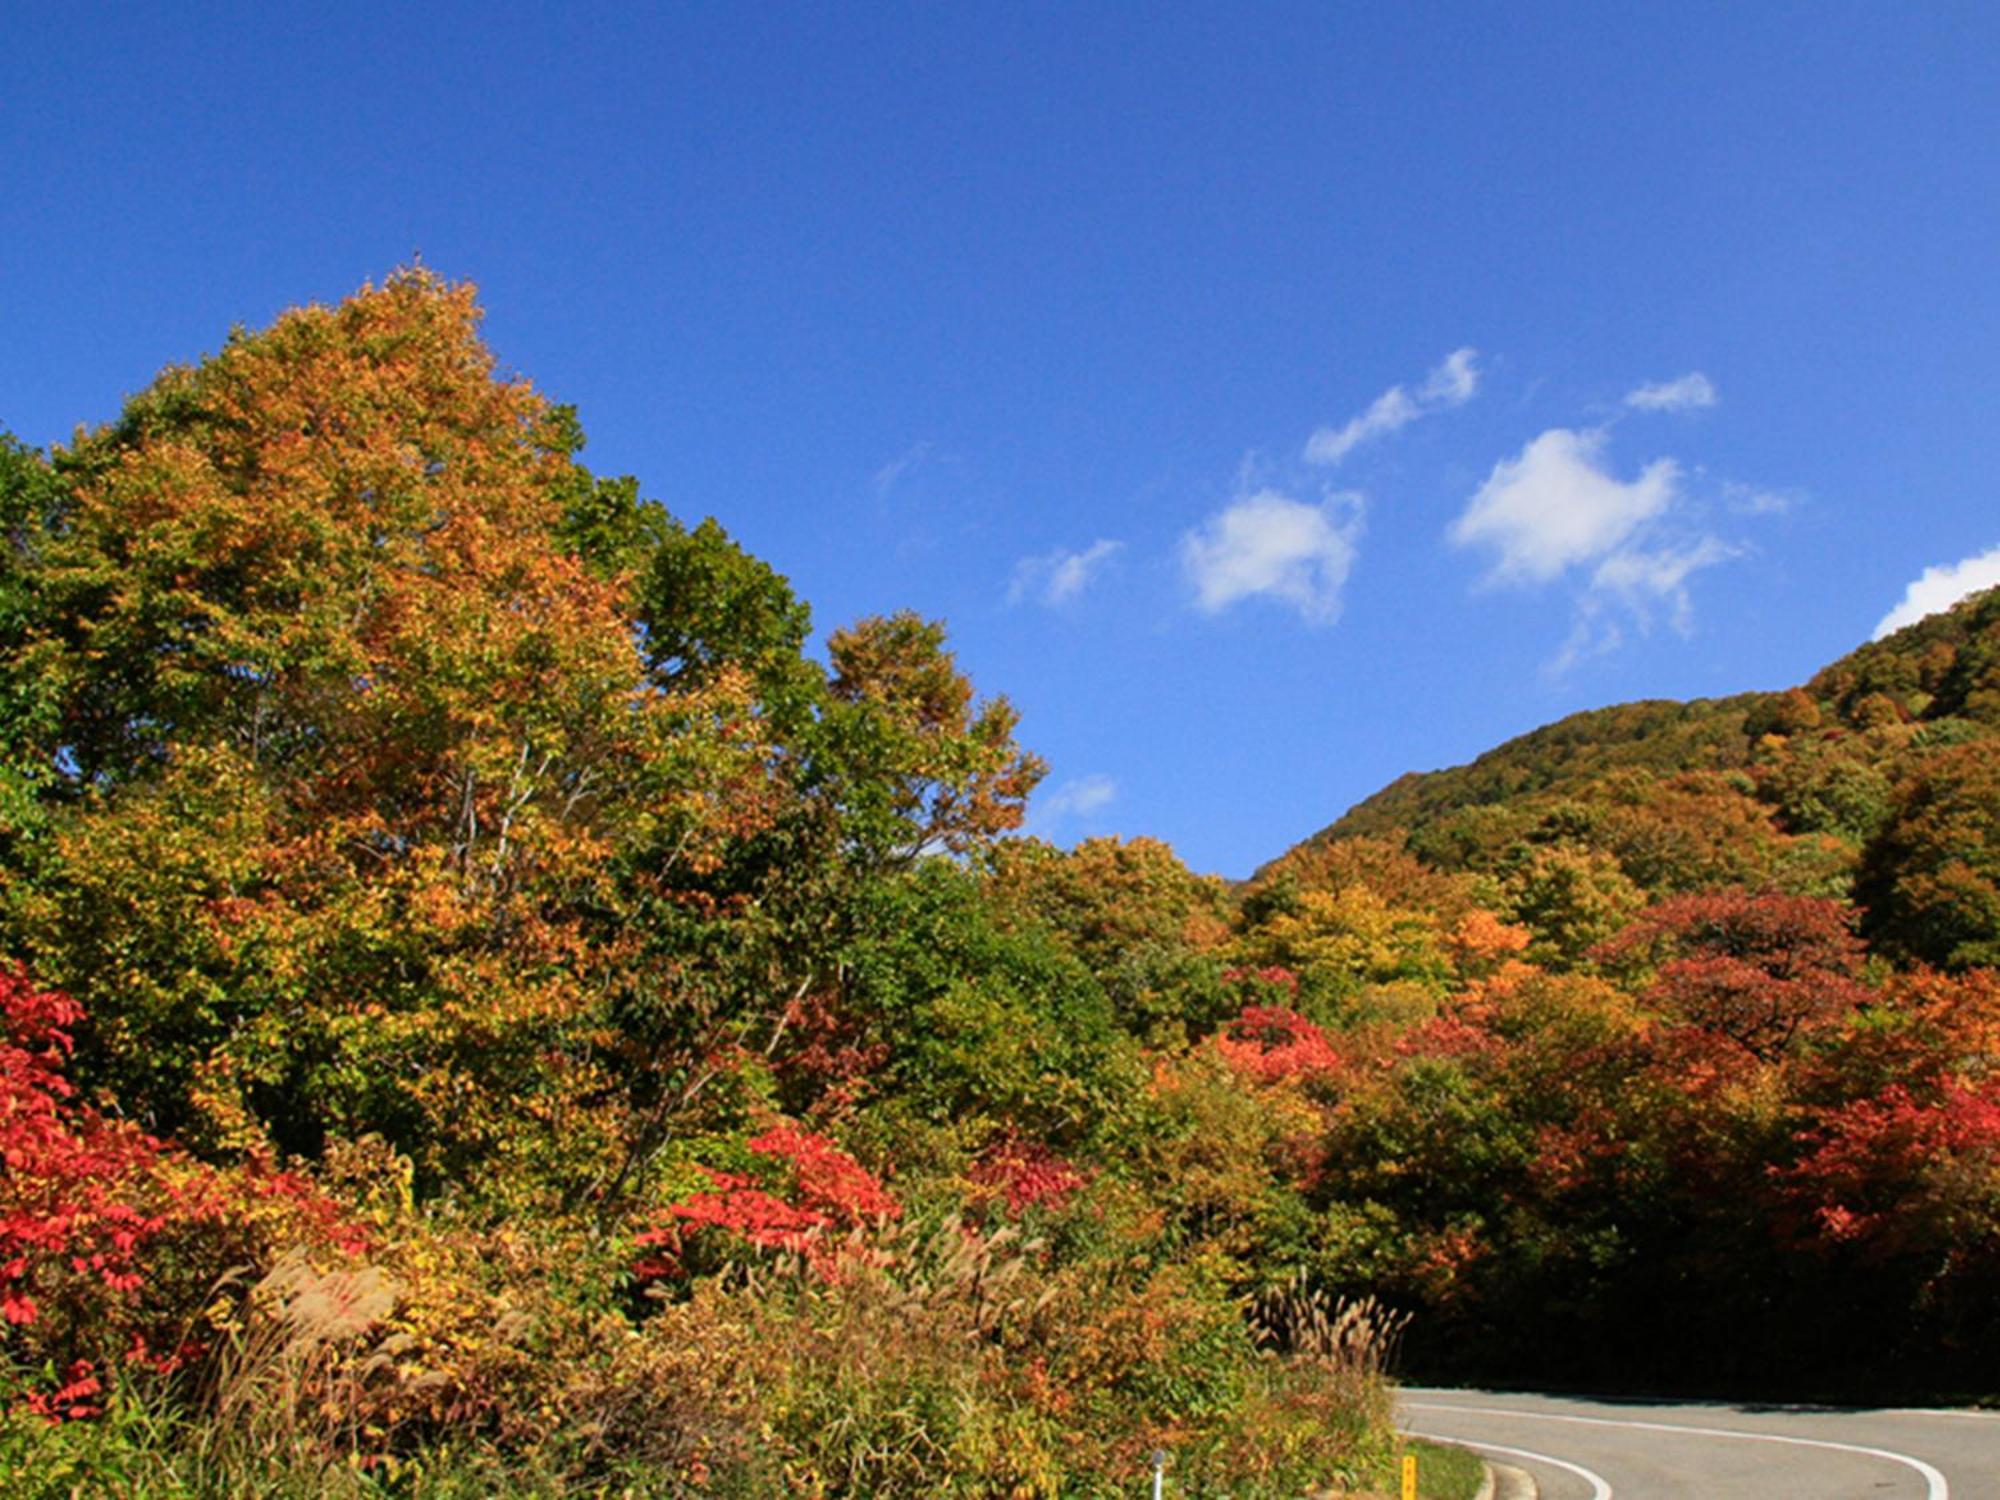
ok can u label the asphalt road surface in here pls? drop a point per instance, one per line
(1669, 1450)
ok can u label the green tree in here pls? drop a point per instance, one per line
(1570, 899)
(919, 765)
(1931, 880)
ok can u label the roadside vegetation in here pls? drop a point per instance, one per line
(1445, 1471)
(488, 1011)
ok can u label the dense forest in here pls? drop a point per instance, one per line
(488, 1009)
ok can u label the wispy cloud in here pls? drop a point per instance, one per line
(1079, 798)
(1749, 500)
(1634, 587)
(1689, 392)
(1641, 579)
(1269, 545)
(899, 467)
(1939, 588)
(1557, 509)
(1452, 383)
(1059, 576)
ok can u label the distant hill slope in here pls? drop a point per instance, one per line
(1654, 734)
(1817, 788)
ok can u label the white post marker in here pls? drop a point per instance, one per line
(1159, 1473)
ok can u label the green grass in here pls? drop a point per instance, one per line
(1443, 1472)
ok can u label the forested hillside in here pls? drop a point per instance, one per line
(1730, 1114)
(1842, 787)
(489, 1010)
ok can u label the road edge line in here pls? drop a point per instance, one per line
(1936, 1486)
(1600, 1487)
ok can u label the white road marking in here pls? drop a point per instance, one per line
(1599, 1489)
(1935, 1487)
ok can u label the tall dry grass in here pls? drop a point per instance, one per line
(1348, 1342)
(293, 1379)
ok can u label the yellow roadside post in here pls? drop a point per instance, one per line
(1409, 1476)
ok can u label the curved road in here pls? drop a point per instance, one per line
(1658, 1450)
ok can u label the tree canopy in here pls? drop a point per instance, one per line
(440, 884)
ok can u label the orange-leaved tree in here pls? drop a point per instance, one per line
(348, 735)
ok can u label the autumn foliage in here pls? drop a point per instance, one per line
(1759, 970)
(828, 1196)
(110, 1240)
(485, 1003)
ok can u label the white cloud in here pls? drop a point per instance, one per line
(1687, 393)
(1080, 797)
(1557, 509)
(1630, 587)
(1556, 506)
(1059, 576)
(1452, 383)
(1389, 411)
(1641, 579)
(906, 462)
(1268, 544)
(1748, 500)
(1941, 587)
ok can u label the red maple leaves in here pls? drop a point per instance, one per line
(1025, 1174)
(86, 1199)
(1272, 1043)
(828, 1196)
(78, 1192)
(1754, 969)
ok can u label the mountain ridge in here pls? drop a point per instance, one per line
(1798, 788)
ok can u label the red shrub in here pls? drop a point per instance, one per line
(1903, 1172)
(112, 1241)
(1271, 1043)
(1453, 1034)
(829, 1194)
(80, 1195)
(829, 1180)
(1025, 1174)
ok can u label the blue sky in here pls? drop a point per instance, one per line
(1272, 399)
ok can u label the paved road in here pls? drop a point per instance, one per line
(1658, 1450)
